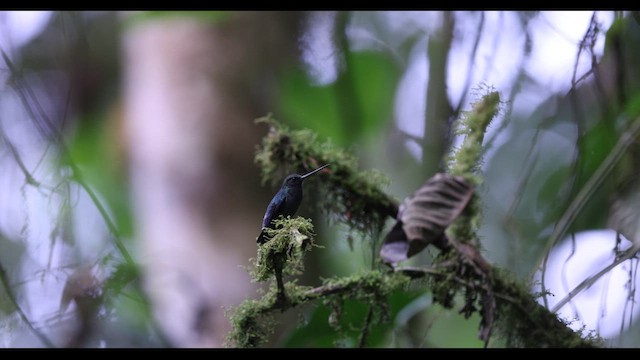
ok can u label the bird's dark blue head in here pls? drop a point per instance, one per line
(295, 180)
(292, 180)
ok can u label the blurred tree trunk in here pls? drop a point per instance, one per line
(439, 113)
(192, 90)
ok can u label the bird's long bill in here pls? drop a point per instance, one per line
(314, 171)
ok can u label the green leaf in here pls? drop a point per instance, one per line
(95, 150)
(317, 332)
(425, 215)
(360, 102)
(632, 107)
(310, 106)
(375, 78)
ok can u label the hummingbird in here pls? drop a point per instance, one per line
(285, 202)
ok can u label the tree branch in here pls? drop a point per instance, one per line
(506, 303)
(365, 328)
(23, 316)
(628, 254)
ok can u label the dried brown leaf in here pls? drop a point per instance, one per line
(425, 215)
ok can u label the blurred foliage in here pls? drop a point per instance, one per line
(103, 167)
(541, 156)
(67, 78)
(315, 330)
(458, 272)
(552, 171)
(363, 93)
(209, 16)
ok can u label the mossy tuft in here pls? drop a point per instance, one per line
(291, 238)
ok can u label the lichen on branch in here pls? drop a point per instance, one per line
(504, 303)
(357, 199)
(252, 320)
(351, 195)
(291, 238)
(465, 162)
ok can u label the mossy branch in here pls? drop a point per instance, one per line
(252, 320)
(356, 198)
(505, 304)
(466, 160)
(283, 254)
(523, 322)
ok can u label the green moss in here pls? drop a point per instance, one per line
(368, 285)
(522, 322)
(466, 160)
(354, 197)
(371, 288)
(351, 196)
(297, 294)
(290, 240)
(251, 322)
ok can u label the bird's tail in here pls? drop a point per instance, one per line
(262, 238)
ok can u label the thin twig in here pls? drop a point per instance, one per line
(579, 80)
(23, 316)
(515, 90)
(581, 47)
(579, 121)
(321, 291)
(406, 136)
(16, 156)
(601, 93)
(366, 327)
(565, 266)
(628, 254)
(24, 92)
(416, 272)
(472, 56)
(594, 182)
(631, 303)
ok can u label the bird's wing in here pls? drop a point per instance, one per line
(273, 210)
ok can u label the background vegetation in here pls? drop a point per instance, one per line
(130, 198)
